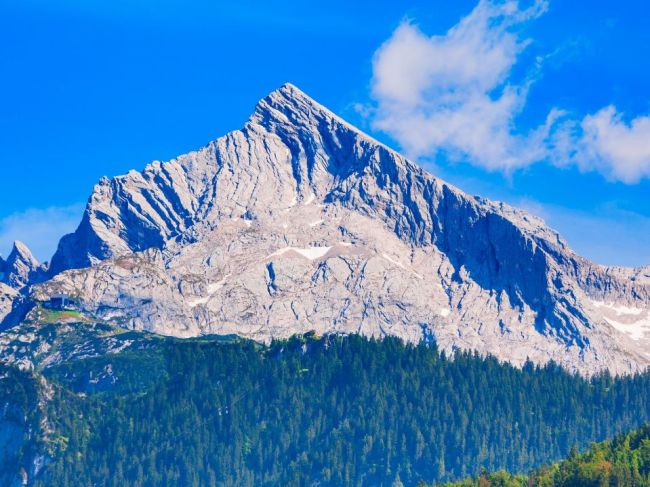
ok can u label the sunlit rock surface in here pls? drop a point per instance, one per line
(301, 222)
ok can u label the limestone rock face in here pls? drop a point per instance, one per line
(301, 222)
(20, 268)
(7, 297)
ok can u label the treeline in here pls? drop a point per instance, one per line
(623, 462)
(323, 411)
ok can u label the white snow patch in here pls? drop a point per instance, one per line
(310, 253)
(393, 261)
(196, 301)
(213, 287)
(346, 244)
(634, 322)
(248, 223)
(400, 265)
(444, 312)
(636, 331)
(317, 222)
(619, 309)
(310, 199)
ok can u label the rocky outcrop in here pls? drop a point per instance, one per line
(299, 221)
(7, 297)
(20, 268)
(23, 426)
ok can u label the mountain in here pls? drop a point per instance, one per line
(20, 268)
(301, 222)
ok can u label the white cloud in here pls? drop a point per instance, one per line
(455, 94)
(451, 93)
(606, 143)
(39, 228)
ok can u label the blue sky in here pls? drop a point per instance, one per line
(544, 104)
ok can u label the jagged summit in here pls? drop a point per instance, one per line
(301, 222)
(296, 145)
(289, 104)
(20, 266)
(20, 251)
(292, 104)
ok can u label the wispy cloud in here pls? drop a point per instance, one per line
(451, 92)
(605, 142)
(456, 94)
(39, 228)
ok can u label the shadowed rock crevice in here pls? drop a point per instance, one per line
(301, 222)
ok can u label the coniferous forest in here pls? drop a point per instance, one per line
(314, 411)
(623, 462)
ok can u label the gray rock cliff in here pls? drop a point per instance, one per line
(301, 222)
(20, 268)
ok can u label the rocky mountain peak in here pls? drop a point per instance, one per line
(20, 251)
(299, 221)
(292, 150)
(20, 266)
(289, 106)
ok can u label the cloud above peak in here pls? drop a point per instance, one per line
(455, 94)
(605, 142)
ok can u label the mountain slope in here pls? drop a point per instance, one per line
(307, 411)
(301, 222)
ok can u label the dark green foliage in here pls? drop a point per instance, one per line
(330, 411)
(624, 462)
(20, 442)
(131, 371)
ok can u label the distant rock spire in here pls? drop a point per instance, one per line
(20, 266)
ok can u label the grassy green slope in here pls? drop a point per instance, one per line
(623, 462)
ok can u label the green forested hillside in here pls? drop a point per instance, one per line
(623, 462)
(19, 418)
(318, 411)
